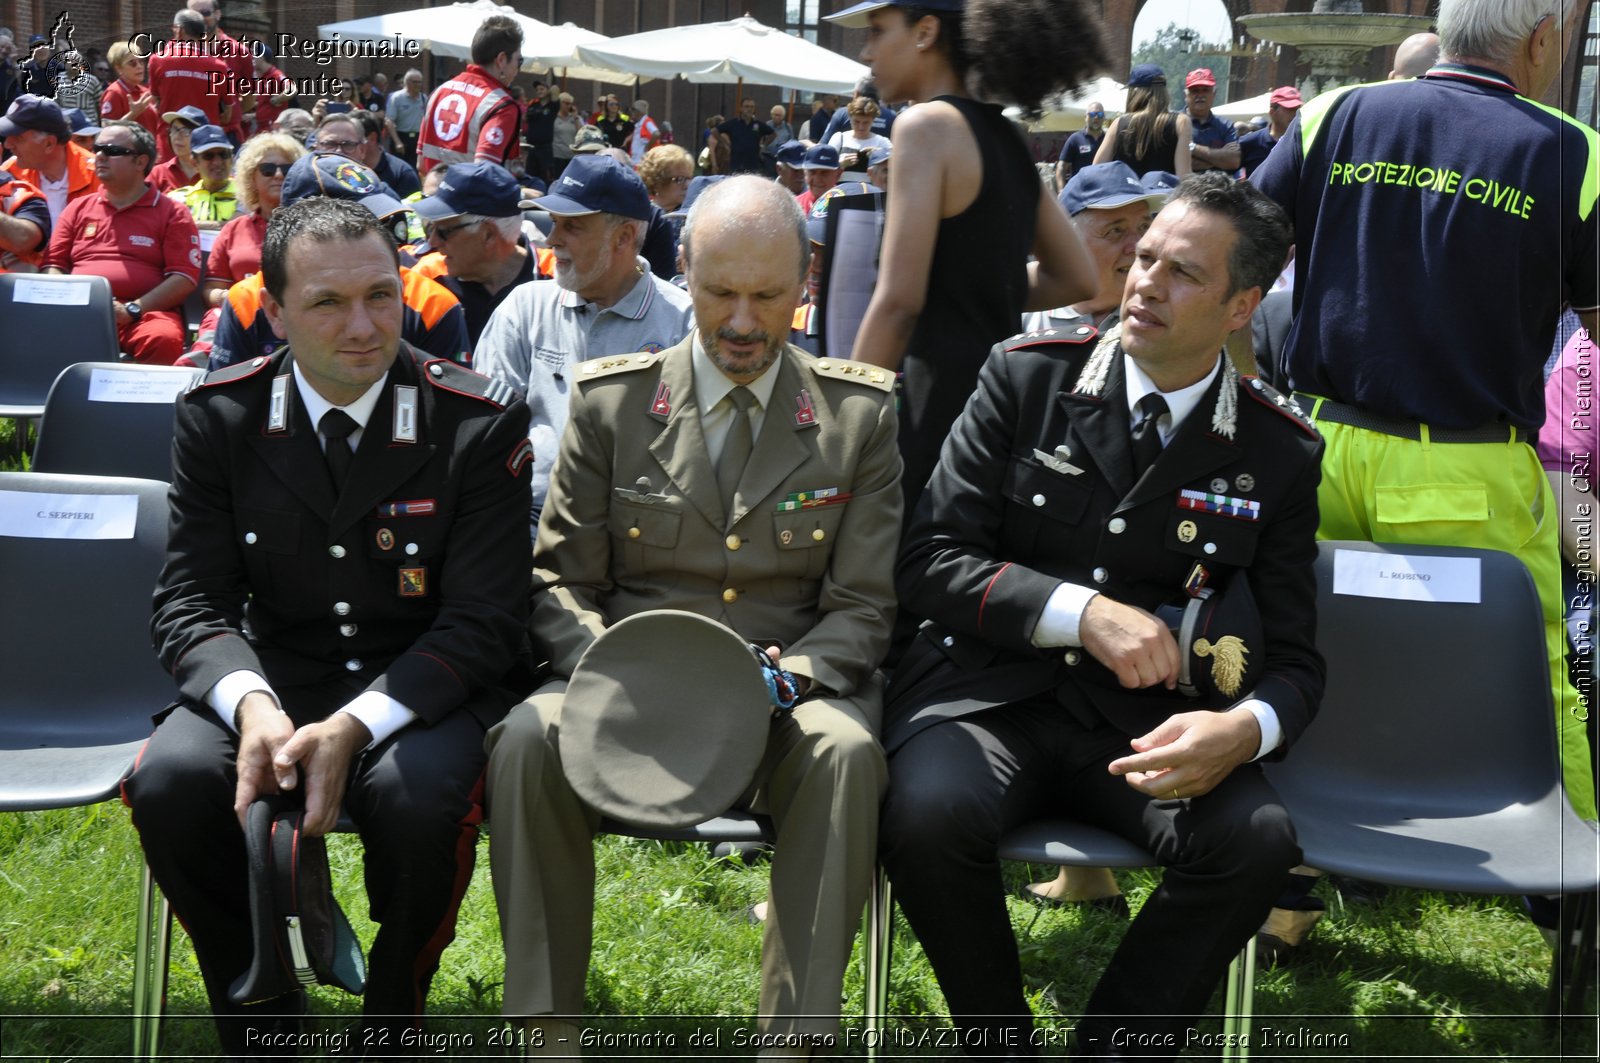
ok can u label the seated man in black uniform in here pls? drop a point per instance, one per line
(1086, 486)
(337, 610)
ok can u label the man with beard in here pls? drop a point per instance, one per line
(728, 429)
(605, 300)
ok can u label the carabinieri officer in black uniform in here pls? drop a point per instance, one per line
(341, 619)
(1049, 682)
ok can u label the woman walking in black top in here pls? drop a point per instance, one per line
(964, 203)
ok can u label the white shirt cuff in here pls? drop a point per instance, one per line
(382, 714)
(225, 696)
(1267, 717)
(1058, 624)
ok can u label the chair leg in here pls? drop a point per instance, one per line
(880, 940)
(153, 939)
(1573, 959)
(1239, 1003)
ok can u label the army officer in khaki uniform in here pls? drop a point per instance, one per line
(679, 485)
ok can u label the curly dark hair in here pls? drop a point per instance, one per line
(1020, 51)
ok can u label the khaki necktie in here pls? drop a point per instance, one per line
(736, 449)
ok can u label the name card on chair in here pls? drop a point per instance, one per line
(130, 385)
(35, 515)
(51, 292)
(1408, 577)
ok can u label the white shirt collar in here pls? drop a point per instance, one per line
(1180, 403)
(360, 411)
(711, 385)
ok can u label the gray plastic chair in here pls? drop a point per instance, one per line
(42, 336)
(81, 682)
(1432, 762)
(110, 435)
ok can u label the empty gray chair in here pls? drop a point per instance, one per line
(111, 419)
(47, 322)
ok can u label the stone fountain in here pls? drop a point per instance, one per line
(1334, 39)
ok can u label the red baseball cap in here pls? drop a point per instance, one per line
(1288, 96)
(1200, 77)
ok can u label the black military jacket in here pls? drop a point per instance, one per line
(411, 582)
(1035, 486)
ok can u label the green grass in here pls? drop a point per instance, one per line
(1416, 976)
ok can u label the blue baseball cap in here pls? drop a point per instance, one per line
(1103, 186)
(1146, 74)
(821, 157)
(485, 188)
(337, 177)
(1160, 181)
(209, 138)
(191, 114)
(857, 17)
(596, 184)
(817, 220)
(35, 112)
(793, 153)
(80, 124)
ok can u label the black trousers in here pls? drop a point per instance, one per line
(416, 800)
(957, 787)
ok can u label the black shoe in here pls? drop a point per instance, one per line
(747, 853)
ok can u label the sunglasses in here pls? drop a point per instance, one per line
(272, 169)
(1096, 114)
(213, 156)
(115, 151)
(440, 233)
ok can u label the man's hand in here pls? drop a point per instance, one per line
(802, 684)
(263, 729)
(1190, 753)
(1130, 642)
(323, 752)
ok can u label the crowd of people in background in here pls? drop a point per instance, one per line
(534, 233)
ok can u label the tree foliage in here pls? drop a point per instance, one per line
(1169, 50)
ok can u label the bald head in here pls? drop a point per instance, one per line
(754, 209)
(1415, 56)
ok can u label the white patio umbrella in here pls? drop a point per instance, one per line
(1065, 113)
(741, 49)
(1244, 110)
(448, 31)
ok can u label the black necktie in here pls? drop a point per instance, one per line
(736, 448)
(335, 427)
(1146, 436)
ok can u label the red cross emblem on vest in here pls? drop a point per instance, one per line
(450, 117)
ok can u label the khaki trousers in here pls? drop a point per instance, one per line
(821, 780)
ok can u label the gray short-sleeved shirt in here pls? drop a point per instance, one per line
(406, 111)
(542, 330)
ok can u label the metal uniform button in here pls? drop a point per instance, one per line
(411, 549)
(730, 595)
(949, 640)
(733, 542)
(1101, 575)
(1038, 500)
(352, 665)
(818, 534)
(335, 551)
(1117, 526)
(1073, 656)
(250, 538)
(634, 533)
(341, 608)
(1210, 548)
(347, 630)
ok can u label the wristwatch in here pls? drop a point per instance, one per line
(133, 309)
